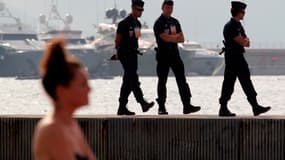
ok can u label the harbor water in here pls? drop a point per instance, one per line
(26, 97)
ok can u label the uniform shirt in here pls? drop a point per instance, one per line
(129, 28)
(166, 25)
(231, 30)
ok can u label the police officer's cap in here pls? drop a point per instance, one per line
(168, 2)
(238, 5)
(139, 3)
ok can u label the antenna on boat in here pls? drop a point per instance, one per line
(5, 12)
(115, 14)
(54, 15)
(54, 2)
(115, 3)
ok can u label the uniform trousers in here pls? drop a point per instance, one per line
(171, 59)
(236, 67)
(131, 82)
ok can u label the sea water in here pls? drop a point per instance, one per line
(26, 97)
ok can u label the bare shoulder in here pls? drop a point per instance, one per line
(47, 134)
(46, 127)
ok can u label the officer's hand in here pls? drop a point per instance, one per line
(247, 42)
(114, 57)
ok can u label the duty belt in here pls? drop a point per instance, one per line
(224, 48)
(130, 50)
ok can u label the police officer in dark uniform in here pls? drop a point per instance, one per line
(235, 40)
(168, 33)
(128, 32)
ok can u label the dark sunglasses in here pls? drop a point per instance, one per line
(139, 9)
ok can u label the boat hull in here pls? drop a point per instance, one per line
(98, 63)
(263, 62)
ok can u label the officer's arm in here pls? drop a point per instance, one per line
(242, 41)
(117, 43)
(180, 37)
(177, 38)
(118, 40)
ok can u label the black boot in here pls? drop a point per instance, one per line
(256, 108)
(225, 112)
(161, 108)
(146, 105)
(189, 108)
(123, 110)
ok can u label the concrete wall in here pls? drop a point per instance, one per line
(161, 138)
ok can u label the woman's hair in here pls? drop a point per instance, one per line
(57, 67)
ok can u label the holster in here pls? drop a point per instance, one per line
(128, 51)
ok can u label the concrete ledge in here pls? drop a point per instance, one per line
(176, 137)
(178, 116)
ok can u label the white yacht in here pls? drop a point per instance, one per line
(17, 55)
(22, 48)
(54, 25)
(197, 60)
